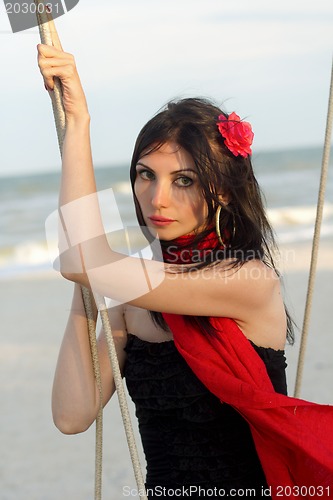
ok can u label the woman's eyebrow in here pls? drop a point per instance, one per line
(142, 165)
(181, 170)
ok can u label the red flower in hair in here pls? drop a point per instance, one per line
(238, 135)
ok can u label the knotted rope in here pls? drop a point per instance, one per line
(316, 240)
(48, 33)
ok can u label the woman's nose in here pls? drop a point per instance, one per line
(160, 195)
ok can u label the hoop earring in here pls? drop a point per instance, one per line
(233, 227)
(217, 226)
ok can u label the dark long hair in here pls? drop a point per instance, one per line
(192, 124)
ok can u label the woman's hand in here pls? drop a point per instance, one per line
(54, 62)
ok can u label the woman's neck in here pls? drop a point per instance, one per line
(190, 248)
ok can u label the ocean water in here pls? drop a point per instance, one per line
(289, 181)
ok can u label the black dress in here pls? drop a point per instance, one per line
(194, 445)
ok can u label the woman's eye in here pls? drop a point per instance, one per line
(184, 181)
(146, 175)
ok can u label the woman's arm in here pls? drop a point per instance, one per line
(77, 170)
(77, 179)
(75, 396)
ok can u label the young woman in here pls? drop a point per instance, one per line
(201, 340)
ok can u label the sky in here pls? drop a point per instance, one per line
(269, 61)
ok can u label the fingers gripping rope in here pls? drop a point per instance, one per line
(49, 36)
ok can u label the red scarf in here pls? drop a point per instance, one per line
(183, 251)
(293, 438)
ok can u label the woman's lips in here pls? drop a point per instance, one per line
(160, 221)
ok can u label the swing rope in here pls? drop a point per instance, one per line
(46, 29)
(316, 240)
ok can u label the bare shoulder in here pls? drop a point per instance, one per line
(264, 319)
(253, 281)
(256, 269)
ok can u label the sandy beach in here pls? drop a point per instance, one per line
(38, 462)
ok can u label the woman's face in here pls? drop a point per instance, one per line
(168, 192)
